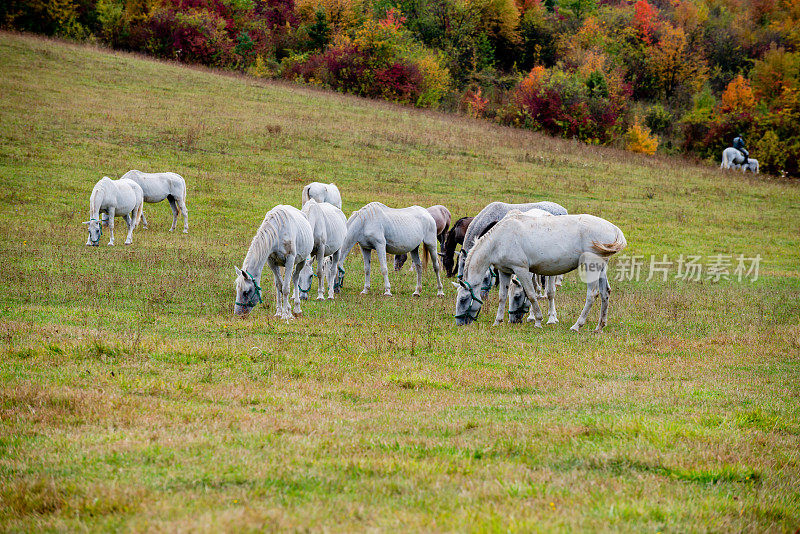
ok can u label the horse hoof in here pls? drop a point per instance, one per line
(129, 242)
(496, 323)
(320, 297)
(440, 293)
(552, 320)
(388, 293)
(575, 328)
(185, 230)
(537, 324)
(365, 291)
(415, 294)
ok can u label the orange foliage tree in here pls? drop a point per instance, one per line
(738, 97)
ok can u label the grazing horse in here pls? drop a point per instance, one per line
(732, 158)
(158, 186)
(441, 216)
(322, 193)
(493, 213)
(454, 237)
(396, 231)
(284, 239)
(328, 226)
(113, 198)
(521, 245)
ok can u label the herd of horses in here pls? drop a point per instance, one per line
(522, 248)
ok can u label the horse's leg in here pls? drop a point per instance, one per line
(367, 255)
(380, 250)
(276, 270)
(129, 221)
(605, 293)
(331, 280)
(537, 286)
(592, 292)
(286, 289)
(144, 219)
(184, 212)
(526, 280)
(111, 212)
(417, 267)
(550, 283)
(320, 274)
(505, 279)
(174, 206)
(295, 276)
(431, 249)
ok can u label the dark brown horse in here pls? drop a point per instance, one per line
(454, 237)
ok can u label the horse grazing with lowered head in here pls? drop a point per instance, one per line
(520, 245)
(491, 214)
(284, 239)
(160, 186)
(329, 227)
(322, 193)
(396, 231)
(733, 159)
(454, 237)
(441, 216)
(113, 198)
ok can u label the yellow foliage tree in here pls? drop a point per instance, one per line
(738, 97)
(639, 139)
(672, 63)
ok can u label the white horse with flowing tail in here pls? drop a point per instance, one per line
(113, 198)
(396, 231)
(732, 158)
(284, 239)
(159, 186)
(520, 245)
(329, 228)
(491, 214)
(322, 193)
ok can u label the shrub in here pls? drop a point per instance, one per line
(638, 139)
(658, 118)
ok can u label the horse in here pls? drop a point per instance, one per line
(329, 227)
(441, 216)
(454, 237)
(521, 245)
(322, 193)
(284, 239)
(115, 198)
(159, 186)
(732, 158)
(491, 214)
(396, 231)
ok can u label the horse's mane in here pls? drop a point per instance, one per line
(265, 237)
(483, 236)
(98, 194)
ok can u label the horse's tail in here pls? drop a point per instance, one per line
(137, 215)
(304, 199)
(609, 249)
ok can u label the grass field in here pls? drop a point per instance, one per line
(132, 399)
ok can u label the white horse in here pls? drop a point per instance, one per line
(732, 158)
(114, 198)
(550, 246)
(284, 239)
(322, 193)
(396, 231)
(442, 217)
(329, 227)
(158, 186)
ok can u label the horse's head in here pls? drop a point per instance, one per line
(248, 293)
(468, 304)
(305, 278)
(399, 260)
(448, 263)
(95, 231)
(518, 303)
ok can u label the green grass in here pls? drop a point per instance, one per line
(132, 399)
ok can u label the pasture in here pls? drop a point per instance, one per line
(131, 398)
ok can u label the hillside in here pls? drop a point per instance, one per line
(132, 399)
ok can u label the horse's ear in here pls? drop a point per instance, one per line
(86, 222)
(455, 285)
(441, 254)
(238, 271)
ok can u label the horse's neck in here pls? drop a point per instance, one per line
(355, 228)
(96, 202)
(260, 248)
(479, 260)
